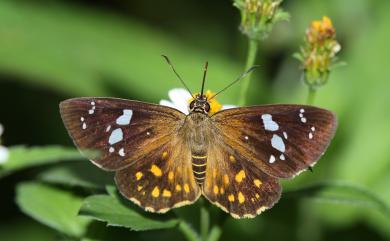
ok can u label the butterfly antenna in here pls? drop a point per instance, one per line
(178, 76)
(204, 77)
(245, 74)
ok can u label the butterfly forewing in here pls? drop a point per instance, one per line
(122, 131)
(281, 140)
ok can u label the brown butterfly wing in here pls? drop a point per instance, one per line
(123, 131)
(236, 184)
(161, 180)
(281, 140)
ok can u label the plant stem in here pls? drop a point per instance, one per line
(204, 222)
(311, 96)
(188, 231)
(215, 233)
(251, 57)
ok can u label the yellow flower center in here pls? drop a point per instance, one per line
(215, 106)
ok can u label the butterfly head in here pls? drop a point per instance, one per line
(200, 104)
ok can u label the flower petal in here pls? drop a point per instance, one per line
(4, 154)
(180, 97)
(167, 103)
(224, 107)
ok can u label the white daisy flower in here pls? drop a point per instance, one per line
(180, 99)
(4, 154)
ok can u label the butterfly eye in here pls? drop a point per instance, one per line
(207, 107)
(192, 104)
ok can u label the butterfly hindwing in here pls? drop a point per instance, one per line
(122, 131)
(161, 180)
(237, 185)
(281, 140)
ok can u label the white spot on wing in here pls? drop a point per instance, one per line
(277, 143)
(310, 135)
(282, 157)
(269, 124)
(303, 119)
(285, 135)
(148, 133)
(125, 118)
(84, 126)
(272, 159)
(108, 128)
(246, 138)
(121, 152)
(313, 128)
(111, 150)
(302, 110)
(92, 110)
(82, 119)
(116, 136)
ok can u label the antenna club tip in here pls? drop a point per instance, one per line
(166, 58)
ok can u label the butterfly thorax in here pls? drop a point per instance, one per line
(198, 133)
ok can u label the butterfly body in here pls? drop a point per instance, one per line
(165, 159)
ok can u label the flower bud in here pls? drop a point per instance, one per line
(318, 52)
(259, 16)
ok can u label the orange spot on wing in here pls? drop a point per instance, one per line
(232, 159)
(156, 192)
(167, 193)
(170, 176)
(222, 190)
(216, 189)
(241, 197)
(156, 170)
(186, 188)
(164, 155)
(257, 182)
(226, 179)
(138, 175)
(240, 176)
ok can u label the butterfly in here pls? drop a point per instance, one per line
(164, 159)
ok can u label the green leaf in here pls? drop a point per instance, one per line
(119, 212)
(24, 157)
(298, 56)
(81, 174)
(53, 207)
(342, 193)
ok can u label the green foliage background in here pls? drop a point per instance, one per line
(52, 50)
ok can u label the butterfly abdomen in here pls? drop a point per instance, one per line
(198, 137)
(199, 163)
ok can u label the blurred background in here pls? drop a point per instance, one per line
(51, 50)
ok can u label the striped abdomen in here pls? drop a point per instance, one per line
(199, 162)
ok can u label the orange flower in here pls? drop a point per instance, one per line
(318, 52)
(320, 31)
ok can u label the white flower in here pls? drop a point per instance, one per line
(180, 98)
(4, 154)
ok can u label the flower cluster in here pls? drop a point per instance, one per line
(318, 52)
(180, 100)
(3, 150)
(259, 16)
